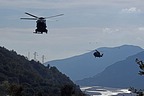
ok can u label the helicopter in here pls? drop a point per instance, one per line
(97, 54)
(40, 22)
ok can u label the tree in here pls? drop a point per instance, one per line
(67, 90)
(15, 90)
(141, 66)
(141, 72)
(21, 77)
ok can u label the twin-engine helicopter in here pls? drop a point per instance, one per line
(97, 54)
(41, 22)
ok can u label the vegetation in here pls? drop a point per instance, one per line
(21, 77)
(141, 66)
(139, 92)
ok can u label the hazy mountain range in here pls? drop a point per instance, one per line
(120, 74)
(86, 65)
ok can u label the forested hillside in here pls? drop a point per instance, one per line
(21, 77)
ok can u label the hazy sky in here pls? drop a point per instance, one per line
(86, 25)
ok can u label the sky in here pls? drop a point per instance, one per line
(85, 25)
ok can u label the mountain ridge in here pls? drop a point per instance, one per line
(86, 65)
(121, 74)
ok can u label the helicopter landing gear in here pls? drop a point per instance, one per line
(40, 32)
(46, 31)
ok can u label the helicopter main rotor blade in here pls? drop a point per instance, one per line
(31, 15)
(29, 18)
(54, 16)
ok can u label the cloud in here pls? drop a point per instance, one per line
(65, 4)
(70, 34)
(131, 10)
(110, 30)
(59, 3)
(48, 4)
(141, 28)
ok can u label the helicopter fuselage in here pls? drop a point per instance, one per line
(97, 54)
(41, 26)
(40, 22)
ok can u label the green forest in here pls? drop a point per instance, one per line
(21, 77)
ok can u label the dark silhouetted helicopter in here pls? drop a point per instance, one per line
(97, 54)
(41, 22)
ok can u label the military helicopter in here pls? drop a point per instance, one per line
(41, 22)
(97, 54)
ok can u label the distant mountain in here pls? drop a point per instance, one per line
(86, 65)
(21, 77)
(120, 74)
